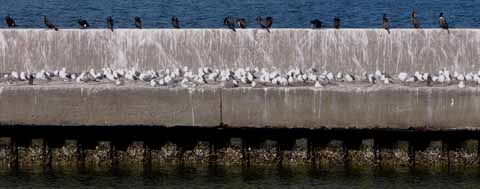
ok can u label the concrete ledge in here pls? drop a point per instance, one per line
(341, 106)
(83, 105)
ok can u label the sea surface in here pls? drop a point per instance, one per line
(210, 13)
(247, 177)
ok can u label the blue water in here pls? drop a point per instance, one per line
(210, 13)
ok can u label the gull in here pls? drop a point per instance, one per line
(330, 76)
(153, 83)
(254, 84)
(402, 76)
(15, 75)
(461, 84)
(23, 76)
(339, 76)
(371, 78)
(349, 78)
(42, 75)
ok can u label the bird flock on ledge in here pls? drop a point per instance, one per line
(241, 77)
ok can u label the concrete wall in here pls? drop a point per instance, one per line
(348, 50)
(359, 106)
(354, 106)
(101, 105)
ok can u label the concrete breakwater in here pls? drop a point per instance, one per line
(348, 50)
(323, 119)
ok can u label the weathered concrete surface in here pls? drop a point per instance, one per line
(346, 50)
(340, 106)
(353, 106)
(104, 105)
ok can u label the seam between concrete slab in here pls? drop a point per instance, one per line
(221, 108)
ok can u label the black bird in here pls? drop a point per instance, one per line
(138, 22)
(429, 80)
(10, 22)
(83, 23)
(30, 79)
(386, 23)
(175, 22)
(316, 24)
(336, 22)
(415, 21)
(228, 21)
(242, 23)
(49, 24)
(443, 22)
(110, 23)
(265, 23)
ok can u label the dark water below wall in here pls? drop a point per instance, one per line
(208, 174)
(210, 13)
(252, 177)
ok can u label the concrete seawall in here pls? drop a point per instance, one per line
(347, 50)
(358, 106)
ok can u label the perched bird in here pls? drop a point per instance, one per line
(110, 23)
(415, 21)
(316, 24)
(443, 22)
(429, 80)
(242, 23)
(30, 79)
(228, 21)
(461, 84)
(403, 76)
(265, 23)
(386, 23)
(138, 22)
(10, 22)
(336, 21)
(175, 22)
(49, 24)
(83, 23)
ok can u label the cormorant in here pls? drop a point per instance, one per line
(443, 22)
(386, 23)
(138, 22)
(337, 22)
(175, 22)
(228, 21)
(110, 23)
(316, 24)
(83, 23)
(242, 23)
(265, 23)
(10, 22)
(49, 24)
(415, 21)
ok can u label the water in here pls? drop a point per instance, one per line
(218, 176)
(210, 13)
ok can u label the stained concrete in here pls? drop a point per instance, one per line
(84, 105)
(347, 50)
(352, 106)
(339, 106)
